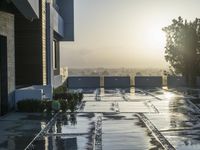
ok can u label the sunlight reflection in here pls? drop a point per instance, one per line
(168, 95)
(132, 92)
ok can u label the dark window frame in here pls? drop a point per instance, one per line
(3, 76)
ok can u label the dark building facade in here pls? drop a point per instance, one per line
(30, 32)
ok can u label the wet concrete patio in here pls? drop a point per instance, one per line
(18, 129)
(112, 120)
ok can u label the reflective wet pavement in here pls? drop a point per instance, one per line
(109, 120)
(18, 129)
(177, 120)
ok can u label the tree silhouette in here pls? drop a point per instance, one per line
(182, 49)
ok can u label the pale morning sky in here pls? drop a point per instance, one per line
(123, 33)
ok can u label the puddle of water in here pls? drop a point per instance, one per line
(163, 94)
(177, 123)
(138, 97)
(16, 142)
(113, 98)
(74, 124)
(126, 133)
(89, 98)
(165, 122)
(98, 107)
(85, 91)
(62, 143)
(134, 107)
(189, 91)
(177, 120)
(174, 113)
(184, 140)
(173, 105)
(69, 132)
(156, 91)
(118, 106)
(119, 131)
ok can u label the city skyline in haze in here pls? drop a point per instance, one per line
(123, 33)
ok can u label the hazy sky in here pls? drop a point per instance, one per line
(123, 33)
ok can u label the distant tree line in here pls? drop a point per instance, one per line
(182, 49)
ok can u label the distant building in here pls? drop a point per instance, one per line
(30, 32)
(64, 73)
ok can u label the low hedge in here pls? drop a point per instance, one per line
(60, 96)
(62, 93)
(32, 105)
(60, 89)
(80, 97)
(67, 101)
(69, 96)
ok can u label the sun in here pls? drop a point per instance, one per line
(155, 37)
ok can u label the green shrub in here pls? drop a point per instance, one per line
(46, 105)
(60, 89)
(29, 105)
(58, 96)
(72, 103)
(80, 97)
(64, 105)
(69, 96)
(68, 100)
(60, 93)
(73, 100)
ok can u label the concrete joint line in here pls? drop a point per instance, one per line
(159, 137)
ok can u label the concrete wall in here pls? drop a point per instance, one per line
(24, 94)
(66, 10)
(58, 23)
(116, 82)
(55, 20)
(51, 16)
(29, 8)
(83, 82)
(35, 6)
(57, 81)
(7, 29)
(148, 81)
(49, 44)
(29, 51)
(33, 92)
(46, 89)
(176, 81)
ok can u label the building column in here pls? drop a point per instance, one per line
(49, 46)
(7, 31)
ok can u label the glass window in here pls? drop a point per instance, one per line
(55, 49)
